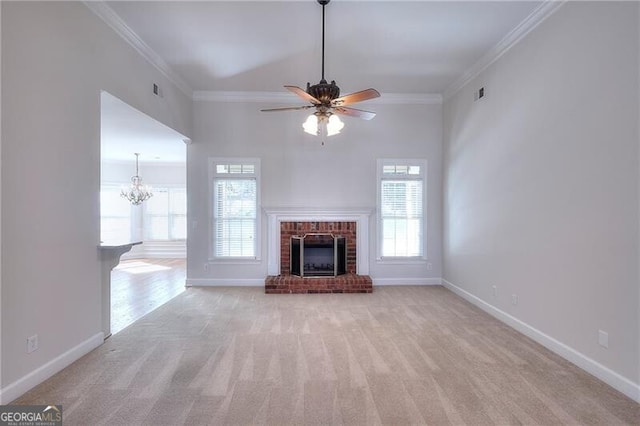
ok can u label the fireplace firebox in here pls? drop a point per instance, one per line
(318, 255)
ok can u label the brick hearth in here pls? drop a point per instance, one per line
(348, 283)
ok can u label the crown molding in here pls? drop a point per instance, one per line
(539, 15)
(283, 97)
(408, 99)
(239, 96)
(111, 18)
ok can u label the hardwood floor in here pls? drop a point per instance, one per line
(139, 286)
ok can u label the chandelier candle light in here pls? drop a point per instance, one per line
(137, 192)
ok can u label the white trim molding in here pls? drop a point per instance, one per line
(406, 281)
(239, 96)
(610, 377)
(39, 375)
(285, 97)
(225, 282)
(539, 15)
(289, 214)
(113, 20)
(158, 250)
(407, 99)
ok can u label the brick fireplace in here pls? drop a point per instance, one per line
(284, 224)
(293, 229)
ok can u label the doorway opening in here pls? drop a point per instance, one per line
(152, 272)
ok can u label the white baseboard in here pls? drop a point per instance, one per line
(610, 377)
(258, 282)
(154, 255)
(406, 281)
(225, 282)
(157, 250)
(39, 375)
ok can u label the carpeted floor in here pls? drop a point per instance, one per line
(402, 355)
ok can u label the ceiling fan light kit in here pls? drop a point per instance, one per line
(323, 126)
(325, 98)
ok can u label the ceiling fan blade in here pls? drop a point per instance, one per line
(287, 108)
(302, 94)
(352, 112)
(352, 98)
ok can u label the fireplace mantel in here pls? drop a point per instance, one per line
(289, 214)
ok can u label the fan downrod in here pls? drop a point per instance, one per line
(323, 91)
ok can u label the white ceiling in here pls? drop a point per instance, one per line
(393, 46)
(397, 47)
(124, 131)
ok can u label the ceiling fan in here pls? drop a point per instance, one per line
(325, 98)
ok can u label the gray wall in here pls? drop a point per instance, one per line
(541, 183)
(297, 171)
(56, 57)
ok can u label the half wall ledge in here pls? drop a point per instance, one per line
(292, 284)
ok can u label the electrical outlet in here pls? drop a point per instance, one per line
(429, 266)
(494, 289)
(32, 343)
(514, 299)
(603, 338)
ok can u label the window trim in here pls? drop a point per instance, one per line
(422, 176)
(213, 162)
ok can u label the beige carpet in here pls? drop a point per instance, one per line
(402, 355)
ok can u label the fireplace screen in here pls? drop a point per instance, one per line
(318, 255)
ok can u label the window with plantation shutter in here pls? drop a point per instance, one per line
(401, 195)
(115, 215)
(235, 208)
(165, 215)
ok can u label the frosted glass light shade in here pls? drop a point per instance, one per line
(311, 125)
(321, 124)
(334, 125)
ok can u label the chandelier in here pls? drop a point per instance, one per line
(136, 193)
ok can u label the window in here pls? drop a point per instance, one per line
(165, 215)
(115, 215)
(401, 195)
(235, 207)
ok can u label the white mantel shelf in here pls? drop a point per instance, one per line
(276, 215)
(310, 211)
